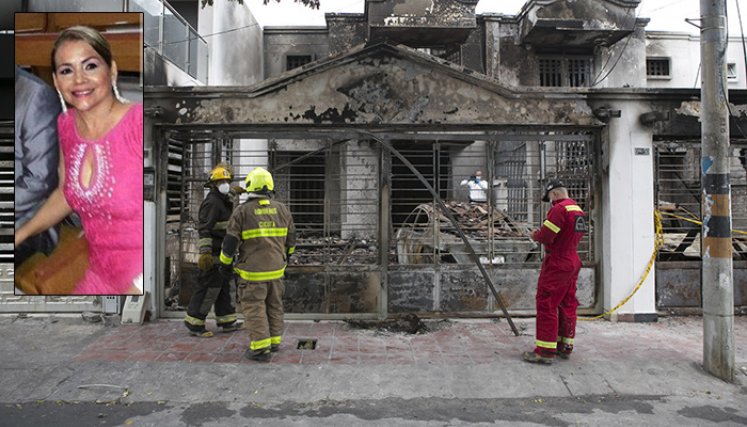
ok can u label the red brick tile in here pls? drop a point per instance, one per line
(399, 359)
(229, 358)
(314, 357)
(287, 357)
(114, 356)
(172, 356)
(344, 359)
(144, 356)
(200, 357)
(372, 358)
(185, 347)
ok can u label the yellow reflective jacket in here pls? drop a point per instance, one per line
(266, 235)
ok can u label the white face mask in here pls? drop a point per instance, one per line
(223, 188)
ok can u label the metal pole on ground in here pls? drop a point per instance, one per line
(716, 273)
(455, 223)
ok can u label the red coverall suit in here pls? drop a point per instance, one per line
(556, 288)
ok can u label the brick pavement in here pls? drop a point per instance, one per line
(451, 342)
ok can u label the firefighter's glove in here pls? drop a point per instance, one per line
(205, 262)
(237, 190)
(226, 270)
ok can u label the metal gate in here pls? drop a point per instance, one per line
(677, 192)
(9, 302)
(370, 242)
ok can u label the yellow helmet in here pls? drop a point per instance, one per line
(259, 180)
(219, 173)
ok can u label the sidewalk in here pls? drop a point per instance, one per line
(461, 372)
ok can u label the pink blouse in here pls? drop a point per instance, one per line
(111, 205)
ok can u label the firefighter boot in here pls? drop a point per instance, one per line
(274, 348)
(262, 355)
(533, 357)
(564, 350)
(233, 327)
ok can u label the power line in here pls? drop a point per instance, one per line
(211, 35)
(597, 80)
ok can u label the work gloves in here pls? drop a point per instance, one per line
(205, 262)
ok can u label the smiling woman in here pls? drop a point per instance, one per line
(101, 144)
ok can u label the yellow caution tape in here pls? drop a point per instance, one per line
(694, 221)
(658, 241)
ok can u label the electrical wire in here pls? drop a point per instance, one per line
(597, 80)
(256, 24)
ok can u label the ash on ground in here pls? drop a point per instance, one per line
(409, 324)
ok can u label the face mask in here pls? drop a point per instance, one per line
(477, 179)
(223, 188)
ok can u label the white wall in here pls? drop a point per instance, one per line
(235, 56)
(628, 205)
(684, 52)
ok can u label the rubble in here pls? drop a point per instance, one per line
(477, 222)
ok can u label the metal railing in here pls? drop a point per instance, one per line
(173, 38)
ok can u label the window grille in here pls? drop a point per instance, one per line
(564, 71)
(578, 72)
(295, 61)
(677, 191)
(7, 215)
(550, 72)
(657, 67)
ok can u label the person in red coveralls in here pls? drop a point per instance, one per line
(556, 300)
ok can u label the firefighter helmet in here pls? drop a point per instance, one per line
(219, 173)
(259, 180)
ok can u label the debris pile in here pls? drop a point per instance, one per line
(476, 221)
(409, 324)
(335, 250)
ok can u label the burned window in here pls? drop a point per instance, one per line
(657, 67)
(564, 71)
(550, 72)
(295, 61)
(678, 193)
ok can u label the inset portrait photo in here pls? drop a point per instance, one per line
(78, 168)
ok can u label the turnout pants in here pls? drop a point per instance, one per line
(262, 305)
(212, 290)
(556, 309)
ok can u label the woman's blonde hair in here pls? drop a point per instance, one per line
(88, 35)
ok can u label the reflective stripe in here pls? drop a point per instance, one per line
(554, 228)
(275, 340)
(194, 321)
(573, 208)
(205, 242)
(266, 211)
(565, 340)
(228, 318)
(258, 345)
(263, 202)
(225, 259)
(264, 232)
(260, 276)
(545, 344)
(221, 225)
(291, 250)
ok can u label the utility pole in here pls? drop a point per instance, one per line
(717, 280)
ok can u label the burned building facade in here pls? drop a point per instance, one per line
(366, 122)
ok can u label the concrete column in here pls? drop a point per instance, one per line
(628, 223)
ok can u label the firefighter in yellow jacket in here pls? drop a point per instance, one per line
(262, 231)
(212, 288)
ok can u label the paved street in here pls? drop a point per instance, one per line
(61, 371)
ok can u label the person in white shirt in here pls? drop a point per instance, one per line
(477, 188)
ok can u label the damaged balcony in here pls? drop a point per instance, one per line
(420, 23)
(578, 25)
